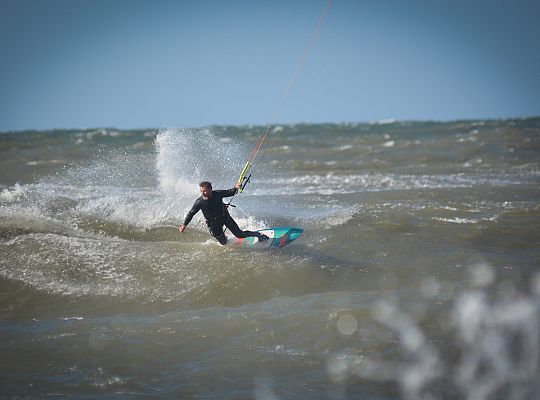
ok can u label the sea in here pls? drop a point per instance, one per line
(417, 275)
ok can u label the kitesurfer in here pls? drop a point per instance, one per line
(216, 213)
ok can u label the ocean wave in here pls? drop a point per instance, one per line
(183, 272)
(16, 222)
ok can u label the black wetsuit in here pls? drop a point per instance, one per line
(217, 215)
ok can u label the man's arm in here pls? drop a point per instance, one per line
(189, 216)
(231, 192)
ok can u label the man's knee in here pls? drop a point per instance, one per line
(217, 232)
(222, 239)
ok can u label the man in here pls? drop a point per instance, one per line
(216, 214)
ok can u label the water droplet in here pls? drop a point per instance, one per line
(347, 324)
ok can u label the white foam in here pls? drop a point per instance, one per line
(45, 162)
(467, 139)
(457, 220)
(12, 194)
(284, 148)
(341, 217)
(250, 223)
(383, 121)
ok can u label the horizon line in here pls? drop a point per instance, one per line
(384, 121)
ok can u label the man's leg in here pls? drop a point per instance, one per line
(236, 231)
(217, 232)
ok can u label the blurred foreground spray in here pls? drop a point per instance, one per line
(491, 348)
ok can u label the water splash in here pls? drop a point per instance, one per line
(187, 156)
(134, 188)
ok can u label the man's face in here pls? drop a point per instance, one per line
(206, 192)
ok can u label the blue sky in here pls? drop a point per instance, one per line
(165, 63)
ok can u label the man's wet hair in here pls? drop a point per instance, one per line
(205, 184)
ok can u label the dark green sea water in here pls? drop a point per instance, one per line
(417, 275)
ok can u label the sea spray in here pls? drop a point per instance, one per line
(491, 348)
(187, 156)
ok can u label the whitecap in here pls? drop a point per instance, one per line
(383, 121)
(457, 220)
(12, 194)
(345, 147)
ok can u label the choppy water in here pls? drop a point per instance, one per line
(417, 275)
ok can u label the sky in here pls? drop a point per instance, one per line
(174, 63)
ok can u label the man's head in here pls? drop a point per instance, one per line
(206, 190)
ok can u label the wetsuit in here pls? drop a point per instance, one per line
(217, 215)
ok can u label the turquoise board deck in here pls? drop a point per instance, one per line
(278, 237)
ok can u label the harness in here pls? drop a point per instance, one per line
(219, 221)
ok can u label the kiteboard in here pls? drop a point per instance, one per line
(277, 237)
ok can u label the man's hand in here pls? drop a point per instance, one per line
(238, 185)
(182, 228)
